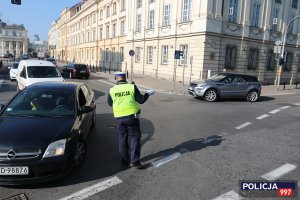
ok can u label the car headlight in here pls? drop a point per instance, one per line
(56, 148)
(200, 87)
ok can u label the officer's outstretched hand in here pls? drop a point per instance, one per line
(150, 92)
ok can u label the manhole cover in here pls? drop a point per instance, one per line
(17, 197)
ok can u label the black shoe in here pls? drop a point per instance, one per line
(137, 165)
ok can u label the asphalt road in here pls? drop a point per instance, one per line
(193, 149)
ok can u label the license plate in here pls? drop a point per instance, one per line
(82, 71)
(14, 171)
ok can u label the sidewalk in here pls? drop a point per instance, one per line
(165, 86)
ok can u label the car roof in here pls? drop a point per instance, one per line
(227, 73)
(57, 86)
(37, 63)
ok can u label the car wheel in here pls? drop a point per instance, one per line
(80, 153)
(211, 95)
(94, 120)
(252, 96)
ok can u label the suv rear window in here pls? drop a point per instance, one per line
(80, 67)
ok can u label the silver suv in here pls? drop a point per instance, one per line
(227, 85)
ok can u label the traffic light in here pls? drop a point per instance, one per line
(17, 2)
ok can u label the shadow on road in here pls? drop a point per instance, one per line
(98, 93)
(261, 99)
(103, 159)
(188, 146)
(8, 86)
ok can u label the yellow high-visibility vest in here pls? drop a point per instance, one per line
(124, 103)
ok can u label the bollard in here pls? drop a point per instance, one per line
(105, 69)
(109, 70)
(296, 85)
(284, 85)
(127, 74)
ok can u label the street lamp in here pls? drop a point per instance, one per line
(282, 54)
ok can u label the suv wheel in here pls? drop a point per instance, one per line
(80, 153)
(252, 96)
(211, 95)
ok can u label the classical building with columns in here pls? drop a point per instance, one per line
(92, 32)
(13, 39)
(216, 35)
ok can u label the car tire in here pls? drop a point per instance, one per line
(252, 96)
(211, 95)
(80, 153)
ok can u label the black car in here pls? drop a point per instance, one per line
(43, 132)
(72, 70)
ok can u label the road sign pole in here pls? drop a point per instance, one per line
(131, 66)
(174, 75)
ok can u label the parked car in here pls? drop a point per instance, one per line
(13, 69)
(72, 70)
(43, 132)
(227, 85)
(33, 71)
(51, 60)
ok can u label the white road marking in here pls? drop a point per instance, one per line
(274, 111)
(231, 195)
(164, 160)
(289, 93)
(297, 104)
(243, 125)
(1, 82)
(89, 191)
(278, 172)
(284, 107)
(262, 116)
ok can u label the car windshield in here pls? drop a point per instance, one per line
(217, 77)
(15, 65)
(43, 72)
(36, 103)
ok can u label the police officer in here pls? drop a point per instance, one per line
(124, 98)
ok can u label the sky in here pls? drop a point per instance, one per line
(36, 15)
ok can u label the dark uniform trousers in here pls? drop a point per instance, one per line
(129, 126)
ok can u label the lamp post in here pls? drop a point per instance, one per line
(283, 47)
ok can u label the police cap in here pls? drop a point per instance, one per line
(120, 74)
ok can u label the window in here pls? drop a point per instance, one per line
(151, 1)
(165, 54)
(101, 33)
(88, 37)
(186, 10)
(107, 55)
(121, 54)
(289, 61)
(139, 23)
(93, 52)
(94, 17)
(123, 5)
(255, 14)
(275, 16)
(137, 54)
(252, 58)
(94, 35)
(21, 44)
(270, 60)
(139, 3)
(184, 48)
(166, 15)
(278, 1)
(115, 8)
(101, 14)
(149, 54)
(295, 4)
(107, 11)
(87, 54)
(7, 44)
(107, 32)
(151, 19)
(122, 28)
(233, 6)
(230, 57)
(113, 56)
(291, 27)
(114, 30)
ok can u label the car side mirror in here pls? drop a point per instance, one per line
(86, 109)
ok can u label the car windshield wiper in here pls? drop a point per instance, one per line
(43, 115)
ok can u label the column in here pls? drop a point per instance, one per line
(10, 49)
(17, 49)
(267, 19)
(218, 13)
(245, 17)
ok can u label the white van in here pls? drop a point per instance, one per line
(33, 71)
